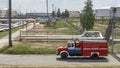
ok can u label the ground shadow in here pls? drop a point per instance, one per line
(82, 59)
(116, 57)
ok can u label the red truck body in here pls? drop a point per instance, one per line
(86, 48)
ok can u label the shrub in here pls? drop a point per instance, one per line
(3, 49)
(26, 50)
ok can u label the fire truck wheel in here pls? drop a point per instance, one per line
(95, 56)
(64, 55)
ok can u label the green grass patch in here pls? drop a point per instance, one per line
(117, 36)
(26, 50)
(100, 21)
(59, 24)
(71, 27)
(117, 48)
(3, 49)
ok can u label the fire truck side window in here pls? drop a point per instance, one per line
(70, 45)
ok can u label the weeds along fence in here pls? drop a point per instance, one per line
(48, 34)
(75, 26)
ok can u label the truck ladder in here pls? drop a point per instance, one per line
(109, 30)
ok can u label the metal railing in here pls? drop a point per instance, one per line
(45, 34)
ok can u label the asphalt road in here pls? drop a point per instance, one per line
(53, 59)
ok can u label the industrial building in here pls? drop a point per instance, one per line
(74, 14)
(106, 12)
(4, 12)
(38, 14)
(43, 17)
(102, 12)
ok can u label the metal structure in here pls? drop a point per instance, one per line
(110, 30)
(48, 36)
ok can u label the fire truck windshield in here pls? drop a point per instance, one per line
(70, 45)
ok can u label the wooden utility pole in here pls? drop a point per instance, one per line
(47, 12)
(10, 21)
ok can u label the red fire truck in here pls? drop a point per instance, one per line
(85, 48)
(93, 44)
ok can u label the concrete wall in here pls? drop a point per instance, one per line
(106, 13)
(99, 13)
(74, 14)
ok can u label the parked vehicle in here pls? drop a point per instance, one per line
(85, 48)
(92, 35)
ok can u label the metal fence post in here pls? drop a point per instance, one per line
(26, 29)
(20, 39)
(113, 37)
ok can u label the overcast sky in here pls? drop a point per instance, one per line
(40, 5)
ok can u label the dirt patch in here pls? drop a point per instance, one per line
(41, 30)
(62, 29)
(40, 26)
(99, 26)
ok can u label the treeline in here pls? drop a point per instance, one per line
(59, 14)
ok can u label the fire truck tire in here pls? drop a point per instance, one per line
(94, 56)
(64, 55)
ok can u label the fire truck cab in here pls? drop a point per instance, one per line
(85, 48)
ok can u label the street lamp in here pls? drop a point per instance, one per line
(47, 11)
(10, 31)
(47, 17)
(47, 6)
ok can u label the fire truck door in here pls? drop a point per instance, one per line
(71, 49)
(78, 49)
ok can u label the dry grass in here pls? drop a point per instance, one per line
(41, 44)
(33, 47)
(43, 30)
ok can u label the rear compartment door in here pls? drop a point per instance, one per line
(78, 50)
